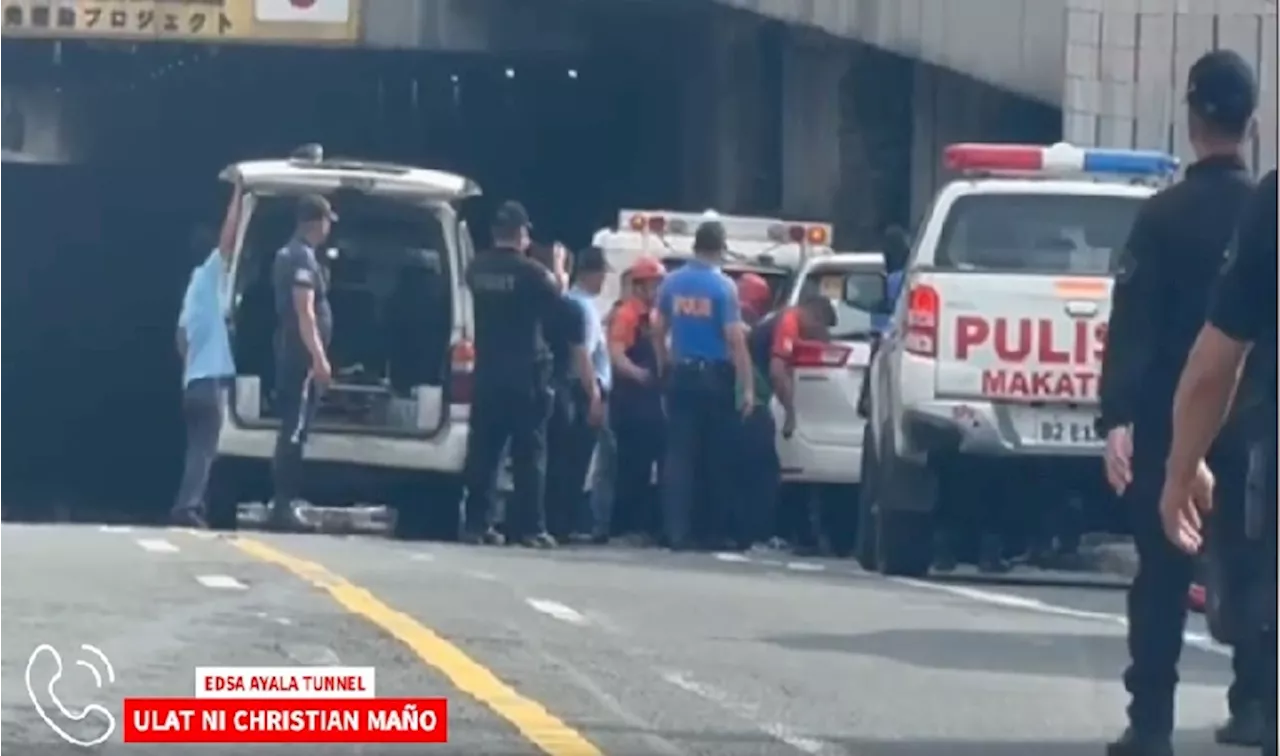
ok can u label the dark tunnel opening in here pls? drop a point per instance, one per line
(98, 250)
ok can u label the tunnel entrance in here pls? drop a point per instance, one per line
(99, 249)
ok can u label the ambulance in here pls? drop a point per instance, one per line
(772, 248)
(991, 367)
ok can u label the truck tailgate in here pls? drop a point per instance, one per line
(1023, 338)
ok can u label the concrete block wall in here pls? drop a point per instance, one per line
(1127, 63)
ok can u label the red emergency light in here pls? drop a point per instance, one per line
(800, 234)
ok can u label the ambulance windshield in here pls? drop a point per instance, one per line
(1058, 234)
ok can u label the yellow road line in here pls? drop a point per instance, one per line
(535, 723)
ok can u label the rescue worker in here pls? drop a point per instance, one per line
(515, 300)
(635, 411)
(707, 364)
(771, 342)
(1159, 302)
(575, 438)
(205, 349)
(772, 347)
(1241, 322)
(302, 340)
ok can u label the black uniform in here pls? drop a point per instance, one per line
(296, 394)
(514, 299)
(1244, 308)
(1161, 294)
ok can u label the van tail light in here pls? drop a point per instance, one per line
(462, 365)
(923, 313)
(817, 354)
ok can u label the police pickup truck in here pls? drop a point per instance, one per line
(991, 367)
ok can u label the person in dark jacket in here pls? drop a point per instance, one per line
(1159, 301)
(1238, 339)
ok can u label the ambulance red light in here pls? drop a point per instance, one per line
(923, 313)
(657, 224)
(638, 223)
(796, 234)
(817, 354)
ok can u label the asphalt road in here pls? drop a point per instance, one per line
(583, 652)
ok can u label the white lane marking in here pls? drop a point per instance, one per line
(421, 557)
(157, 545)
(729, 556)
(116, 529)
(1011, 601)
(557, 610)
(221, 581)
(204, 535)
(487, 577)
(746, 711)
(806, 567)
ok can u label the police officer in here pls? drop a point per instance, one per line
(1241, 316)
(698, 307)
(515, 300)
(574, 437)
(1159, 302)
(302, 338)
(635, 409)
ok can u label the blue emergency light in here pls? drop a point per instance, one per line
(1058, 158)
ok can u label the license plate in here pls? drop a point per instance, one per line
(1063, 430)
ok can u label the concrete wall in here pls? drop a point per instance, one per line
(510, 26)
(1014, 44)
(1127, 62)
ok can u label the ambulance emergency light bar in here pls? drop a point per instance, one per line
(737, 228)
(1060, 158)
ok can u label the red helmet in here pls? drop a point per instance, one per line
(646, 269)
(754, 293)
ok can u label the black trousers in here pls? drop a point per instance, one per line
(702, 423)
(297, 397)
(500, 415)
(759, 477)
(570, 442)
(638, 428)
(203, 417)
(1157, 600)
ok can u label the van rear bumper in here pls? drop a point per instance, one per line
(981, 428)
(445, 452)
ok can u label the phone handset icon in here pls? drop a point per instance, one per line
(63, 710)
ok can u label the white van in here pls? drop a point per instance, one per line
(401, 350)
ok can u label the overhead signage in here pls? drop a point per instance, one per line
(267, 21)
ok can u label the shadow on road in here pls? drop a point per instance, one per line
(1090, 657)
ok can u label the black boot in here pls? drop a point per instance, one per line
(1245, 727)
(991, 556)
(1133, 743)
(944, 553)
(284, 518)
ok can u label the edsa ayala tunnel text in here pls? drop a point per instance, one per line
(298, 705)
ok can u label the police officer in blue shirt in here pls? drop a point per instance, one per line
(709, 381)
(207, 364)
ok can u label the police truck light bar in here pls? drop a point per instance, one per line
(1060, 158)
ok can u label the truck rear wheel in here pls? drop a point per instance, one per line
(865, 549)
(225, 490)
(903, 510)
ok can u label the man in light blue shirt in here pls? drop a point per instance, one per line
(205, 348)
(572, 445)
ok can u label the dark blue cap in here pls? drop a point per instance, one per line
(1222, 88)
